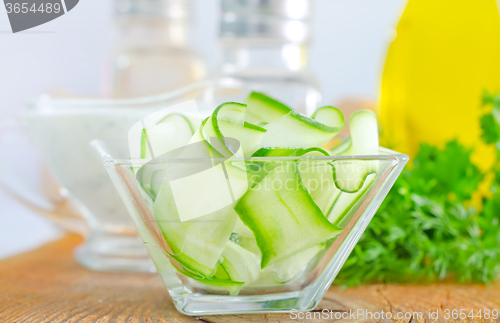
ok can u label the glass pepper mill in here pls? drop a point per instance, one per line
(265, 46)
(152, 53)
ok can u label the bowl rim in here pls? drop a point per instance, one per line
(386, 154)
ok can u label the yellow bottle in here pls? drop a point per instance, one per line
(444, 55)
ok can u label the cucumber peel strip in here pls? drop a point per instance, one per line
(289, 214)
(319, 180)
(285, 152)
(153, 144)
(232, 287)
(346, 201)
(349, 176)
(152, 136)
(295, 130)
(240, 264)
(263, 109)
(196, 244)
(223, 129)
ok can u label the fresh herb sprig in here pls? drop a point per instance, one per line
(427, 229)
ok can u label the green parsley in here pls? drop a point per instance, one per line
(426, 229)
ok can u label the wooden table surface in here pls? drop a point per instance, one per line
(46, 285)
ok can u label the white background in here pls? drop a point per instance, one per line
(69, 54)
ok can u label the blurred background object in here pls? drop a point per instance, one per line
(152, 49)
(266, 45)
(444, 55)
(69, 55)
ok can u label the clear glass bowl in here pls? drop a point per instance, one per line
(306, 286)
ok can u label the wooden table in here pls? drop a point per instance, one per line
(46, 285)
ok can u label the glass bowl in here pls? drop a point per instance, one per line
(297, 283)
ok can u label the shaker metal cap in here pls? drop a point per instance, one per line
(172, 9)
(287, 20)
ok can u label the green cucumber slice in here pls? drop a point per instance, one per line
(221, 273)
(196, 238)
(349, 176)
(291, 267)
(251, 138)
(221, 183)
(214, 184)
(295, 130)
(284, 152)
(363, 127)
(247, 242)
(223, 129)
(242, 230)
(285, 220)
(346, 201)
(317, 178)
(152, 177)
(240, 264)
(223, 285)
(197, 244)
(172, 132)
(341, 148)
(263, 109)
(220, 281)
(328, 115)
(227, 123)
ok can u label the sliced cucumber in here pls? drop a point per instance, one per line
(341, 148)
(212, 189)
(168, 134)
(262, 109)
(346, 201)
(224, 128)
(240, 264)
(295, 130)
(153, 175)
(220, 273)
(349, 176)
(227, 131)
(274, 152)
(151, 180)
(284, 152)
(172, 132)
(214, 184)
(328, 115)
(231, 222)
(242, 230)
(251, 138)
(259, 169)
(285, 220)
(363, 127)
(223, 285)
(220, 281)
(247, 242)
(317, 178)
(196, 244)
(291, 267)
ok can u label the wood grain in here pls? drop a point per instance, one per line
(46, 285)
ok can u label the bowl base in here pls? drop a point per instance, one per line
(196, 305)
